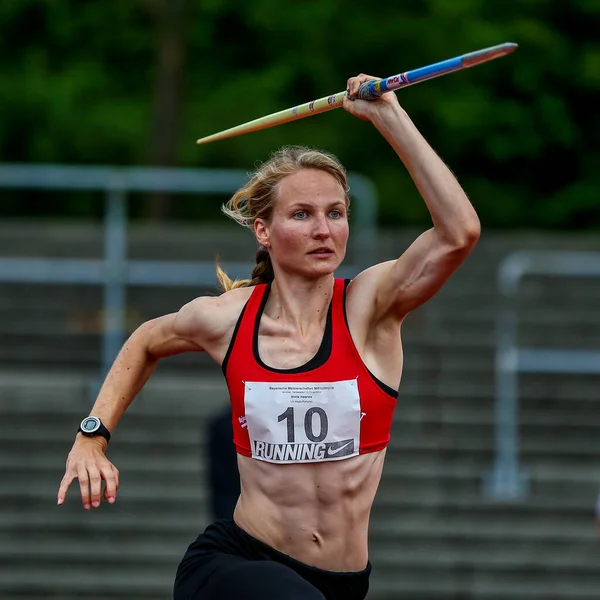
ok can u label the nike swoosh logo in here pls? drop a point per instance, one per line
(338, 450)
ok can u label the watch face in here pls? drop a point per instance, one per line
(90, 424)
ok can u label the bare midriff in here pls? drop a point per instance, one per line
(317, 513)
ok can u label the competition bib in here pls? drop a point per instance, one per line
(302, 422)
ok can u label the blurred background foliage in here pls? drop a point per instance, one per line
(138, 81)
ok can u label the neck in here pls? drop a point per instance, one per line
(300, 303)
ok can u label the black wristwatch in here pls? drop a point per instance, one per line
(92, 426)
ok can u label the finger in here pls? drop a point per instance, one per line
(109, 499)
(354, 83)
(349, 86)
(95, 486)
(84, 487)
(64, 486)
(110, 489)
(352, 86)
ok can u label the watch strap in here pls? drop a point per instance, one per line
(101, 430)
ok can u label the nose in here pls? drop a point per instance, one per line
(321, 229)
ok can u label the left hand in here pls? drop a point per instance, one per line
(367, 110)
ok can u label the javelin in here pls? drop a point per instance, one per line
(369, 90)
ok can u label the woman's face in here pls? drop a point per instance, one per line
(308, 230)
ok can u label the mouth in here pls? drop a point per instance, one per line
(324, 251)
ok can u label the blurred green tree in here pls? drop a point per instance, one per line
(139, 82)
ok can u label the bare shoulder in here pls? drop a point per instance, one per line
(210, 319)
(377, 340)
(361, 296)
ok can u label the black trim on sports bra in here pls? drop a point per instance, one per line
(230, 347)
(320, 358)
(384, 386)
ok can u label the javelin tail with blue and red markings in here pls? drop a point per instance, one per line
(370, 90)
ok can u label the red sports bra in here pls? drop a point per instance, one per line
(330, 408)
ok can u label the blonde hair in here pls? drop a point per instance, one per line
(257, 198)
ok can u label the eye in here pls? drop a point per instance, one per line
(301, 214)
(336, 214)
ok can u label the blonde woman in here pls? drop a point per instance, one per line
(312, 364)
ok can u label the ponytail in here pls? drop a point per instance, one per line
(262, 273)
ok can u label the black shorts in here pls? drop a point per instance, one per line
(226, 563)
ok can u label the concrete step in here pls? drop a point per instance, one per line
(73, 594)
(151, 552)
(391, 502)
(571, 330)
(431, 583)
(517, 530)
(450, 477)
(119, 521)
(408, 442)
(543, 471)
(64, 581)
(582, 559)
(481, 290)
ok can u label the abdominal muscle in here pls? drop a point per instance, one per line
(317, 513)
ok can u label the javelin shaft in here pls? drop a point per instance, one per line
(369, 90)
(283, 116)
(373, 89)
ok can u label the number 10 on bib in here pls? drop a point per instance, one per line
(301, 422)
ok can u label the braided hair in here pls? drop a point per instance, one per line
(256, 199)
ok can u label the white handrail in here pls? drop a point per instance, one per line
(507, 480)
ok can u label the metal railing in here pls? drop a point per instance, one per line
(507, 480)
(115, 272)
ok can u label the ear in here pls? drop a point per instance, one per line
(261, 231)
